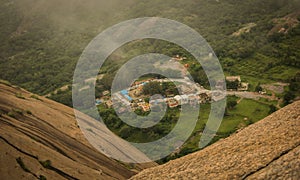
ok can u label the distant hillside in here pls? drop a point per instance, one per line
(269, 149)
(42, 40)
(40, 138)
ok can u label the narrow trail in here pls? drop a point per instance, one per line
(240, 100)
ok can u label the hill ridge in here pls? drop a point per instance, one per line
(267, 149)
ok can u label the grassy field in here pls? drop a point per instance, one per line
(245, 113)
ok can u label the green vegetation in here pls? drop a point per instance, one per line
(42, 45)
(144, 135)
(251, 109)
(258, 88)
(64, 97)
(28, 112)
(165, 89)
(232, 84)
(293, 89)
(152, 88)
(11, 114)
(140, 112)
(46, 164)
(15, 112)
(90, 130)
(36, 97)
(20, 96)
(231, 104)
(113, 122)
(272, 109)
(21, 163)
(5, 82)
(41, 177)
(238, 116)
(43, 54)
(18, 111)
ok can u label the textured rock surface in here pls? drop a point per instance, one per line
(39, 137)
(269, 149)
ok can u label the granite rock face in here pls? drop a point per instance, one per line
(40, 138)
(269, 149)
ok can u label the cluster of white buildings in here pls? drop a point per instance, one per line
(191, 93)
(197, 95)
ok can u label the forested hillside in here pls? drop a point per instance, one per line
(41, 40)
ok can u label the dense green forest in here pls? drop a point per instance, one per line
(41, 41)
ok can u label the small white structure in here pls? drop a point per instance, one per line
(233, 78)
(244, 87)
(105, 93)
(156, 102)
(184, 99)
(178, 98)
(194, 99)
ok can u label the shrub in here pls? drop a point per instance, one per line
(249, 122)
(90, 130)
(288, 97)
(258, 88)
(11, 114)
(125, 132)
(231, 104)
(46, 164)
(21, 163)
(35, 97)
(19, 111)
(42, 177)
(5, 82)
(28, 112)
(20, 96)
(14, 112)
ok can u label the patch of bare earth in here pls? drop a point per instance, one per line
(277, 88)
(285, 24)
(246, 29)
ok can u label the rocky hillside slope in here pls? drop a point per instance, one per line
(39, 138)
(269, 149)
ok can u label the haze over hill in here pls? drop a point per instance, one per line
(41, 40)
